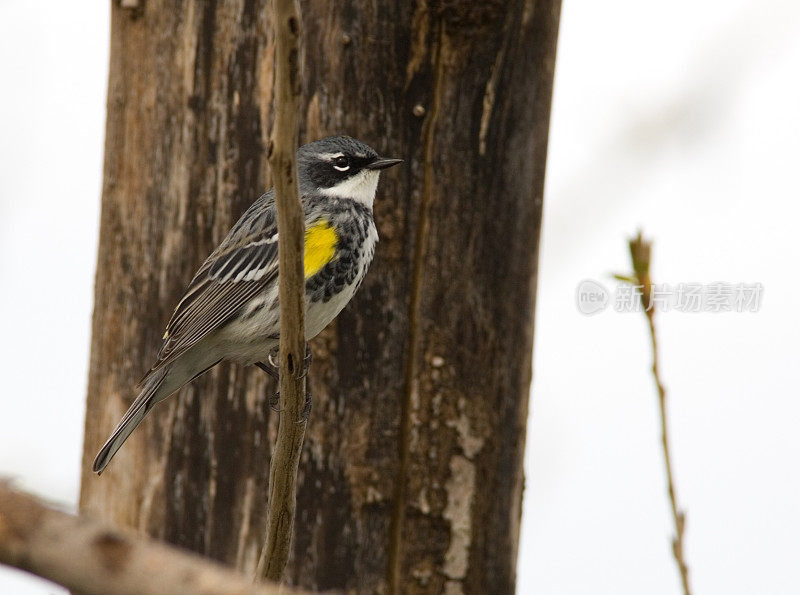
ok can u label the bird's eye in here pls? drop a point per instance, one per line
(341, 163)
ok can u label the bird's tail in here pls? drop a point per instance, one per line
(132, 418)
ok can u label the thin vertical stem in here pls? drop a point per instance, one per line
(640, 257)
(283, 162)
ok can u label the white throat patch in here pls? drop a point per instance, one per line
(360, 187)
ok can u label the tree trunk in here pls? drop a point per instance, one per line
(411, 475)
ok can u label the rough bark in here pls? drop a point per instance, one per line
(411, 474)
(96, 559)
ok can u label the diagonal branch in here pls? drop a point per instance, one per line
(91, 557)
(291, 227)
(640, 257)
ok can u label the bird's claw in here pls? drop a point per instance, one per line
(307, 361)
(306, 409)
(273, 361)
(272, 367)
(274, 402)
(273, 357)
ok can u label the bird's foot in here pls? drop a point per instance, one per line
(272, 358)
(307, 361)
(274, 402)
(306, 407)
(272, 367)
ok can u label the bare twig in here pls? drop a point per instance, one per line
(640, 257)
(283, 163)
(93, 558)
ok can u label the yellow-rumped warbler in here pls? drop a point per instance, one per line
(230, 310)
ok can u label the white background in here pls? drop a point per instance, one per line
(681, 118)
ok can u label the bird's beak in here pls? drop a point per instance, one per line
(381, 163)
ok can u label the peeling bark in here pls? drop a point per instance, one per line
(411, 474)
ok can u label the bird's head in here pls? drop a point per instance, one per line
(341, 166)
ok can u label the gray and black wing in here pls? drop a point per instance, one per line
(244, 264)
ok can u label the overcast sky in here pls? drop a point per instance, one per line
(679, 118)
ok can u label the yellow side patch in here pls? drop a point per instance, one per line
(321, 240)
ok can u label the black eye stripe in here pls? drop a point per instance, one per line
(349, 164)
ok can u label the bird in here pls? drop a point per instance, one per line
(230, 310)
